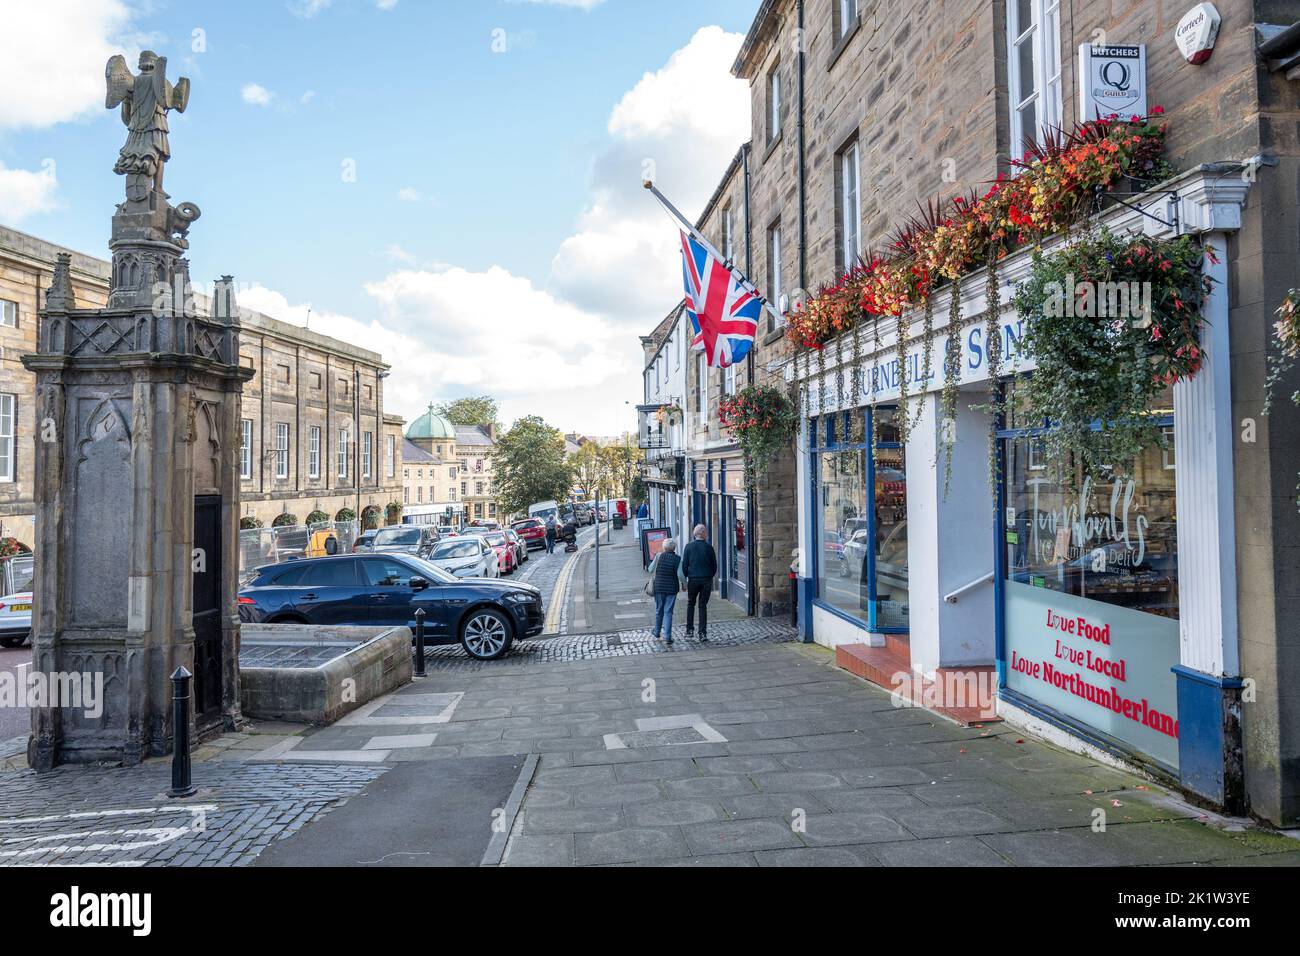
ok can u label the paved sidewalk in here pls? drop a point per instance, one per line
(623, 603)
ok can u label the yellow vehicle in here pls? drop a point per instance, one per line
(322, 543)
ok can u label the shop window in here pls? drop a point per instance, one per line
(1091, 596)
(861, 519)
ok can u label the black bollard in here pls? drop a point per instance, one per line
(419, 642)
(181, 786)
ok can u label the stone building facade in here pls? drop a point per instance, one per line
(308, 394)
(864, 111)
(431, 472)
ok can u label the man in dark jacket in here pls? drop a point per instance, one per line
(550, 535)
(699, 565)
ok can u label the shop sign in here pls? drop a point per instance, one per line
(879, 380)
(1106, 666)
(1112, 79)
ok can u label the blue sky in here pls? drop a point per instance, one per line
(496, 147)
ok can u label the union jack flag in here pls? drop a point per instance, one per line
(723, 306)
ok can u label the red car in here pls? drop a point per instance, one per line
(532, 531)
(505, 551)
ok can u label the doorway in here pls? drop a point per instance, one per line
(207, 610)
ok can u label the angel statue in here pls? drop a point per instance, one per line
(145, 100)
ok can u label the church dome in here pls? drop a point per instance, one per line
(431, 425)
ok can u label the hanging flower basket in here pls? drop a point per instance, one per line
(762, 420)
(9, 546)
(285, 520)
(1111, 322)
(318, 517)
(393, 512)
(669, 414)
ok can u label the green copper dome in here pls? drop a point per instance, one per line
(431, 425)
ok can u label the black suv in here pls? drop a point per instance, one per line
(484, 615)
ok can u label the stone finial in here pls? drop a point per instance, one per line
(224, 306)
(59, 297)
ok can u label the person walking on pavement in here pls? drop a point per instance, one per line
(643, 510)
(664, 584)
(699, 564)
(550, 535)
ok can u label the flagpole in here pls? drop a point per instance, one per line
(698, 236)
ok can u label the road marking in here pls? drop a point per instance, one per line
(106, 840)
(559, 596)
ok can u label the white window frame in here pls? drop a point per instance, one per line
(345, 438)
(774, 104)
(1043, 38)
(729, 380)
(851, 205)
(702, 367)
(8, 313)
(245, 448)
(281, 450)
(848, 16)
(8, 431)
(313, 452)
(367, 452)
(774, 273)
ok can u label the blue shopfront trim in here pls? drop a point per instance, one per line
(1209, 732)
(829, 434)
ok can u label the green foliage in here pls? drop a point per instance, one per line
(318, 517)
(530, 466)
(762, 420)
(370, 517)
(345, 514)
(475, 410)
(284, 520)
(393, 512)
(249, 523)
(1108, 367)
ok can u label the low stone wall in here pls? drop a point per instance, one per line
(370, 662)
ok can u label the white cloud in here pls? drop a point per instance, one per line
(255, 94)
(307, 8)
(452, 332)
(307, 97)
(568, 353)
(52, 57)
(25, 193)
(687, 119)
(385, 4)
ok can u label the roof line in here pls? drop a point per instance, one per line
(756, 30)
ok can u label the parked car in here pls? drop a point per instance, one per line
(505, 551)
(363, 541)
(521, 549)
(465, 556)
(484, 524)
(532, 530)
(483, 615)
(411, 539)
(16, 602)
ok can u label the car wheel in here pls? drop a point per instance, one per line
(13, 641)
(486, 635)
(844, 568)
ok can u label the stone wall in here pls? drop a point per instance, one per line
(26, 264)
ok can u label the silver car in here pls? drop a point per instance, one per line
(465, 556)
(16, 602)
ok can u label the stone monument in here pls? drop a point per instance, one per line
(136, 454)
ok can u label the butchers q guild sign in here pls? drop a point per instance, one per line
(1197, 31)
(1112, 79)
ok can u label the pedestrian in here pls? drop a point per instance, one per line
(550, 535)
(643, 510)
(698, 567)
(665, 585)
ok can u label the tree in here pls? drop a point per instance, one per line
(477, 410)
(591, 470)
(623, 464)
(530, 466)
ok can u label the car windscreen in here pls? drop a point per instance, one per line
(400, 536)
(496, 539)
(24, 569)
(457, 548)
